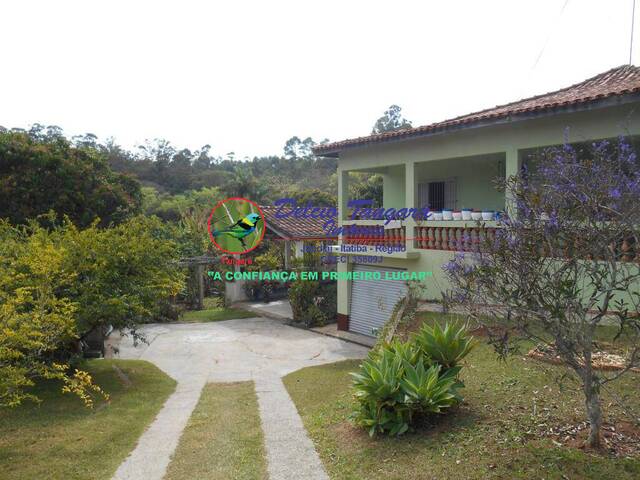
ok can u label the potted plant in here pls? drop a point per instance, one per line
(487, 215)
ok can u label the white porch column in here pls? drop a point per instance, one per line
(343, 194)
(409, 202)
(344, 286)
(512, 168)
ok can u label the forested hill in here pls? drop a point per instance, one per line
(174, 171)
(84, 178)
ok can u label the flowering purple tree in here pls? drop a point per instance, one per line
(565, 261)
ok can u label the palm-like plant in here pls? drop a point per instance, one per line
(446, 346)
(426, 388)
(400, 380)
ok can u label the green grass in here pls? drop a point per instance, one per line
(214, 315)
(496, 433)
(62, 439)
(223, 439)
(214, 311)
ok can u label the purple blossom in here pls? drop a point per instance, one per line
(615, 193)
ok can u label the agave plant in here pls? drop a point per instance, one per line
(405, 350)
(380, 377)
(377, 390)
(428, 389)
(446, 346)
(397, 382)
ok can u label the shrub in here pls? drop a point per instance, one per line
(446, 346)
(402, 381)
(35, 320)
(124, 273)
(313, 303)
(58, 285)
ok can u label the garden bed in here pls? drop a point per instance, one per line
(601, 360)
(620, 439)
(515, 422)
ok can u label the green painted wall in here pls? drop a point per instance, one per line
(473, 176)
(458, 154)
(393, 191)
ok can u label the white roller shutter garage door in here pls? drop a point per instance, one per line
(372, 301)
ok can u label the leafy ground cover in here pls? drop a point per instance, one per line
(223, 438)
(517, 421)
(61, 438)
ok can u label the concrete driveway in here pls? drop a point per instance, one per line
(257, 349)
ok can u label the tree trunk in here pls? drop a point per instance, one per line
(594, 413)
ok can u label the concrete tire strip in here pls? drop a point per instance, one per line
(290, 452)
(257, 349)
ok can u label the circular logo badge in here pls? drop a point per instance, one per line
(236, 225)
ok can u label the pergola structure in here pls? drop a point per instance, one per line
(196, 265)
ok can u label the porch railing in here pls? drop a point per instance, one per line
(376, 235)
(469, 238)
(457, 239)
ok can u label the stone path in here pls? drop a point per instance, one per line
(290, 452)
(257, 349)
(151, 456)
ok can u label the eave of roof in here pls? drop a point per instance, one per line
(293, 228)
(616, 86)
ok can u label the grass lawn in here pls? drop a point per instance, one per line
(62, 439)
(496, 433)
(223, 438)
(214, 311)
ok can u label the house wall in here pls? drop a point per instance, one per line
(393, 187)
(474, 178)
(506, 141)
(509, 137)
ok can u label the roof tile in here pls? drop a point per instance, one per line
(295, 228)
(617, 81)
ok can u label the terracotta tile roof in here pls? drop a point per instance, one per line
(294, 228)
(615, 82)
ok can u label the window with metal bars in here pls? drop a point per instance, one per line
(438, 195)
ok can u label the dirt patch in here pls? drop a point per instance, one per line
(487, 332)
(601, 360)
(351, 436)
(620, 439)
(407, 327)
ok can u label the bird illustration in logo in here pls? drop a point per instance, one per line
(241, 229)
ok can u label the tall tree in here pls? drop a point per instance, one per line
(563, 263)
(45, 172)
(390, 121)
(297, 148)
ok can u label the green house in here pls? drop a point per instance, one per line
(450, 166)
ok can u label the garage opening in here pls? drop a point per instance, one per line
(372, 301)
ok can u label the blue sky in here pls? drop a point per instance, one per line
(245, 76)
